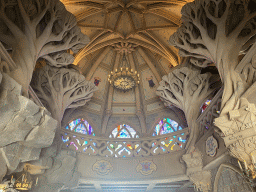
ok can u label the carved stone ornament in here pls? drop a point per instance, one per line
(211, 146)
(200, 178)
(146, 167)
(240, 132)
(102, 167)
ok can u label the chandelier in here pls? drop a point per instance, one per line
(124, 78)
(21, 181)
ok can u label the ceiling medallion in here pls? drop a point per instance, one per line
(124, 78)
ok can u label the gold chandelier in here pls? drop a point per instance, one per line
(124, 78)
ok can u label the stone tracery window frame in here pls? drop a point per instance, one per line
(80, 121)
(153, 132)
(179, 127)
(115, 133)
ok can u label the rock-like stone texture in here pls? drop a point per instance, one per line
(25, 128)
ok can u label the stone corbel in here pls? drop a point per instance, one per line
(200, 178)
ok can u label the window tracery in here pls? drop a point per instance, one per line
(123, 131)
(79, 126)
(166, 126)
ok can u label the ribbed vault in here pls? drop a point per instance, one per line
(135, 32)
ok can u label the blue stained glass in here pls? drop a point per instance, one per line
(123, 131)
(166, 126)
(81, 129)
(81, 126)
(65, 140)
(182, 140)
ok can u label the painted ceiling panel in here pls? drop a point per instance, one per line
(166, 64)
(155, 20)
(124, 97)
(109, 58)
(149, 83)
(124, 110)
(100, 78)
(139, 59)
(154, 106)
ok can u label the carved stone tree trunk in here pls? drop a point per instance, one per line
(220, 31)
(38, 28)
(61, 88)
(217, 31)
(187, 89)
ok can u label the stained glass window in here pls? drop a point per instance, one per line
(205, 105)
(166, 126)
(123, 131)
(80, 126)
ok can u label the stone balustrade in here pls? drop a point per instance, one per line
(116, 147)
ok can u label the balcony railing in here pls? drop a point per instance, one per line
(205, 120)
(117, 147)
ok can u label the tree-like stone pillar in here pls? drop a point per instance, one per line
(139, 111)
(187, 89)
(201, 178)
(108, 111)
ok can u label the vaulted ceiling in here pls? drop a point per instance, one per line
(126, 31)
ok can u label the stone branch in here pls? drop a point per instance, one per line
(187, 89)
(34, 29)
(210, 34)
(62, 88)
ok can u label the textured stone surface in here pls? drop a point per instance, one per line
(25, 128)
(63, 168)
(3, 169)
(21, 119)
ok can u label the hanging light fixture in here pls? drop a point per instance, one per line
(23, 180)
(124, 78)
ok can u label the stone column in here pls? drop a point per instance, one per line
(201, 178)
(139, 111)
(108, 111)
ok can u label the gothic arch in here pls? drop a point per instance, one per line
(236, 182)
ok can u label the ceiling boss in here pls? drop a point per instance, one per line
(124, 77)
